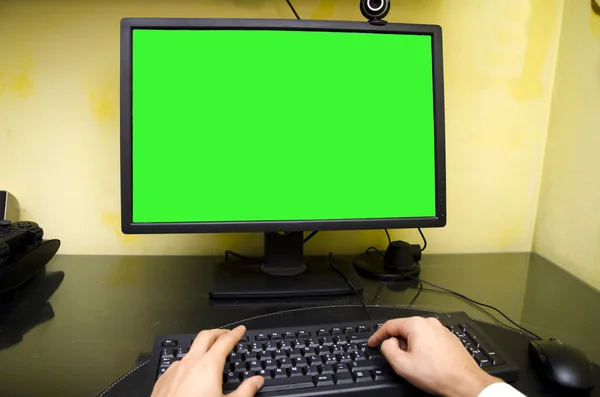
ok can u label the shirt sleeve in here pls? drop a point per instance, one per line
(500, 390)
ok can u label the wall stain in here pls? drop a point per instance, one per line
(112, 220)
(18, 78)
(542, 19)
(103, 103)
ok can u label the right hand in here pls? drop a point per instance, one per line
(430, 357)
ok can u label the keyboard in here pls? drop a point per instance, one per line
(327, 359)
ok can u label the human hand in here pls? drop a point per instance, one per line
(200, 372)
(425, 353)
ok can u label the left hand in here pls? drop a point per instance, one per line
(200, 372)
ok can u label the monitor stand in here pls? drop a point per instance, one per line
(284, 273)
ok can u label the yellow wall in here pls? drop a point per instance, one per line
(59, 108)
(568, 220)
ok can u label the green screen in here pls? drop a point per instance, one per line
(237, 125)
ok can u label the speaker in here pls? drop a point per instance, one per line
(9, 206)
(375, 10)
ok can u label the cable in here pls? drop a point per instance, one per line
(350, 285)
(388, 236)
(417, 295)
(424, 240)
(293, 9)
(311, 235)
(466, 298)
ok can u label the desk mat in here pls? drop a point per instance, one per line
(513, 342)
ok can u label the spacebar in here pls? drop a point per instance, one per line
(279, 384)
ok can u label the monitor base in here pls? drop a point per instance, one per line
(241, 280)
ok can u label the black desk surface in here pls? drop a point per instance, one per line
(75, 329)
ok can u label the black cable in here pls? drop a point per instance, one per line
(424, 240)
(293, 9)
(311, 235)
(417, 295)
(466, 298)
(388, 236)
(350, 285)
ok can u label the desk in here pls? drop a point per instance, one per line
(82, 324)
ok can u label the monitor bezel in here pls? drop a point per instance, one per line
(130, 227)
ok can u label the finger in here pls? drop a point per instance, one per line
(398, 358)
(399, 327)
(204, 342)
(249, 387)
(403, 344)
(226, 342)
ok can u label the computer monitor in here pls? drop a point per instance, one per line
(280, 127)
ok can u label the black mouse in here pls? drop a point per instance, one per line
(561, 364)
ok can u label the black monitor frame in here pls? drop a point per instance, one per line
(129, 227)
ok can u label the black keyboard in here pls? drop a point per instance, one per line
(329, 359)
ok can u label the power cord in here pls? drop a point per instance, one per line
(293, 9)
(462, 297)
(360, 299)
(387, 233)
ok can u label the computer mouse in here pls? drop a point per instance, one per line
(561, 364)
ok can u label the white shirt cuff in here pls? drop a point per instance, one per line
(500, 390)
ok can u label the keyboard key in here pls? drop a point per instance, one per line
(280, 384)
(339, 340)
(352, 348)
(270, 346)
(371, 353)
(261, 337)
(169, 343)
(336, 331)
(363, 328)
(326, 341)
(253, 365)
(244, 338)
(289, 335)
(312, 342)
(294, 371)
(343, 378)
(297, 344)
(362, 376)
(284, 345)
(255, 347)
(349, 330)
(277, 354)
(322, 331)
(241, 348)
(263, 372)
(366, 365)
(234, 357)
(237, 366)
(382, 374)
(362, 346)
(166, 361)
(336, 349)
(358, 356)
(232, 377)
(303, 334)
(295, 353)
(275, 336)
(299, 362)
(269, 364)
(474, 337)
(356, 338)
(324, 380)
(327, 369)
(340, 368)
(378, 325)
(284, 363)
(479, 357)
(313, 370)
(313, 359)
(245, 375)
(485, 363)
(344, 358)
(278, 373)
(168, 352)
(329, 359)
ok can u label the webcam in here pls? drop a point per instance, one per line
(375, 11)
